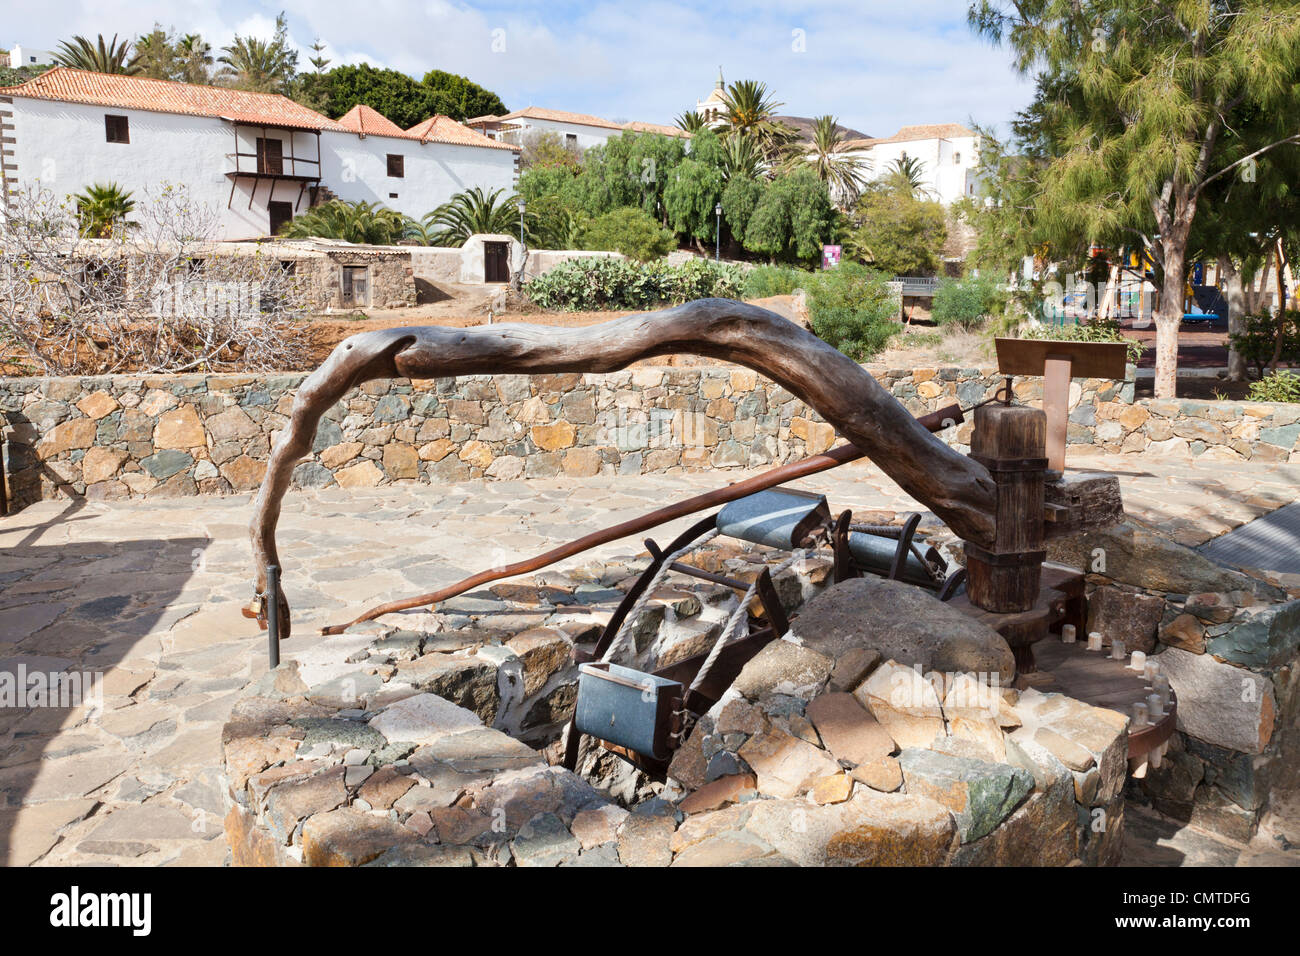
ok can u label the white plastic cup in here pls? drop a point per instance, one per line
(1067, 633)
(1094, 640)
(1138, 661)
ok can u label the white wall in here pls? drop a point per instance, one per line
(29, 56)
(357, 170)
(949, 164)
(587, 135)
(63, 147)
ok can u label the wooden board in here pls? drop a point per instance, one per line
(1092, 677)
(1087, 359)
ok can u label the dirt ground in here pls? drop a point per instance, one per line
(471, 308)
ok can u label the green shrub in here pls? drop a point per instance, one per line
(852, 309)
(631, 231)
(967, 303)
(1095, 330)
(599, 283)
(1258, 338)
(1280, 386)
(764, 281)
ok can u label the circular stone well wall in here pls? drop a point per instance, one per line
(879, 731)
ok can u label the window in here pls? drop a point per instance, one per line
(396, 166)
(281, 213)
(270, 156)
(392, 195)
(571, 140)
(116, 129)
(956, 159)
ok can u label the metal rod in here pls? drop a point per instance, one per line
(273, 615)
(934, 421)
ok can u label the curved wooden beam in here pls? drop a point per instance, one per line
(956, 488)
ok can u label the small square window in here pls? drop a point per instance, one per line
(396, 166)
(116, 129)
(392, 195)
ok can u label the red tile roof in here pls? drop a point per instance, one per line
(444, 129)
(557, 116)
(369, 122)
(166, 96)
(637, 126)
(909, 134)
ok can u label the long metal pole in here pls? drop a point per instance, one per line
(934, 421)
(273, 615)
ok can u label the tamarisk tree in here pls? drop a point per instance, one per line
(1139, 102)
(157, 293)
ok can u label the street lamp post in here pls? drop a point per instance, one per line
(717, 237)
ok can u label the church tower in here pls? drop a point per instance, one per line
(713, 108)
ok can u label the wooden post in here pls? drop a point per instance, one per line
(1009, 440)
(1056, 404)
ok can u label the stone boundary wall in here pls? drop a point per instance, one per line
(124, 436)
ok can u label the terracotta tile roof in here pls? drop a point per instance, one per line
(637, 126)
(558, 116)
(444, 129)
(908, 134)
(166, 96)
(369, 122)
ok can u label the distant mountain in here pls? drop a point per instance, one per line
(804, 124)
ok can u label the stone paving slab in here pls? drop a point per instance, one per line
(145, 595)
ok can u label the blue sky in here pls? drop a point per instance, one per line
(876, 65)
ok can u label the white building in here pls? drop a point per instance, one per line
(257, 159)
(948, 154)
(578, 131)
(29, 56)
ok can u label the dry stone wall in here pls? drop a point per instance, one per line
(130, 436)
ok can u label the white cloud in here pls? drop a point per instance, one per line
(875, 65)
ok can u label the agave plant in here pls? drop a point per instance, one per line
(842, 172)
(470, 213)
(690, 121)
(361, 222)
(99, 57)
(101, 208)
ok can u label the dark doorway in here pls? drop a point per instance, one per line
(496, 262)
(281, 213)
(355, 285)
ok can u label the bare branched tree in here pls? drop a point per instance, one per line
(159, 294)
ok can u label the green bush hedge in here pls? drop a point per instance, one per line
(967, 303)
(1096, 330)
(853, 309)
(1280, 386)
(764, 281)
(599, 283)
(1258, 339)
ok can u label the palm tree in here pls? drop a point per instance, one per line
(262, 66)
(361, 222)
(155, 54)
(843, 173)
(195, 59)
(99, 57)
(741, 157)
(690, 121)
(470, 213)
(907, 174)
(751, 112)
(102, 208)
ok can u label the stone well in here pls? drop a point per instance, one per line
(882, 730)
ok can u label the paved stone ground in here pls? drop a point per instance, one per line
(148, 594)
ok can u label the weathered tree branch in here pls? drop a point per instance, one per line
(956, 488)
